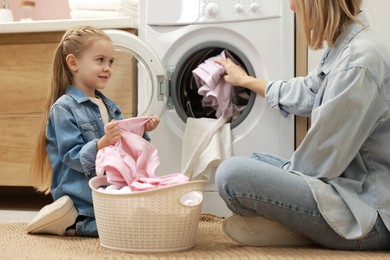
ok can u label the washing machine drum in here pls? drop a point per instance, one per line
(184, 91)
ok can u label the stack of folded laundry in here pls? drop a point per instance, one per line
(84, 9)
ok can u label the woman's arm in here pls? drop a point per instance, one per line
(236, 76)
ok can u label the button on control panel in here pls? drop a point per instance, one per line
(238, 10)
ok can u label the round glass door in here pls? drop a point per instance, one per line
(184, 91)
(140, 74)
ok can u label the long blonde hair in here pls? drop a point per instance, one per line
(75, 41)
(324, 20)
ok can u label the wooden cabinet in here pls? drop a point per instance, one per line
(25, 70)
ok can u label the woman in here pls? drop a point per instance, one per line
(335, 189)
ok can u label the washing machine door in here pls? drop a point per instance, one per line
(150, 71)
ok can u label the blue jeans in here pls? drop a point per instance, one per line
(259, 186)
(87, 227)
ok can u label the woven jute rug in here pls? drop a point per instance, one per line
(211, 243)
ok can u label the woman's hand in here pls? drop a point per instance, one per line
(112, 134)
(152, 123)
(234, 74)
(237, 76)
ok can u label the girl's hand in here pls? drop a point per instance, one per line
(112, 135)
(112, 132)
(152, 123)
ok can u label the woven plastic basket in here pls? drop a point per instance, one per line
(160, 220)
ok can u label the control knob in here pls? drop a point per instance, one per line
(211, 9)
(254, 7)
(239, 8)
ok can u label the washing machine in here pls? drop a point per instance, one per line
(175, 36)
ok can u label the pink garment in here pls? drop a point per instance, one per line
(132, 161)
(216, 92)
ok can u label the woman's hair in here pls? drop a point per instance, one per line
(75, 41)
(324, 20)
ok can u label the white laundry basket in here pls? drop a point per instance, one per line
(159, 220)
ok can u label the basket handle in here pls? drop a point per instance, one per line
(191, 199)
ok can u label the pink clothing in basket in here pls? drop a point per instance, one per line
(132, 161)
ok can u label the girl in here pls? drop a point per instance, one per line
(335, 189)
(78, 121)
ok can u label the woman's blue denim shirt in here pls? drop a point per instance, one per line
(73, 129)
(345, 156)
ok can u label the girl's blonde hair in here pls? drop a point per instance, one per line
(324, 20)
(75, 41)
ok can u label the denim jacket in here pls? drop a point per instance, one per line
(345, 156)
(74, 126)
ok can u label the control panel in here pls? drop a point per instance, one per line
(182, 12)
(236, 10)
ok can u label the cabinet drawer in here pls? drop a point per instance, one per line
(17, 141)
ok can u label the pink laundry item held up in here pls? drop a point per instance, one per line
(132, 160)
(216, 92)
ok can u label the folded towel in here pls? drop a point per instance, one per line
(206, 143)
(113, 5)
(82, 14)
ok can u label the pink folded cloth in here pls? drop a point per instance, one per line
(132, 161)
(216, 92)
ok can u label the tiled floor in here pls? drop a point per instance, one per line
(20, 204)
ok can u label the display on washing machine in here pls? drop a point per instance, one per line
(184, 91)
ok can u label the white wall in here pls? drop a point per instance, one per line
(378, 15)
(379, 18)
